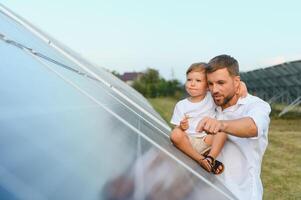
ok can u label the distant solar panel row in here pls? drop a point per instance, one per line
(280, 83)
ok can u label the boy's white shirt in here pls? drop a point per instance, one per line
(196, 111)
(242, 157)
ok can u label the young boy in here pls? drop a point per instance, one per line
(188, 112)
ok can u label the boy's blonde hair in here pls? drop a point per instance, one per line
(197, 67)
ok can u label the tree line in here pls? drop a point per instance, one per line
(150, 84)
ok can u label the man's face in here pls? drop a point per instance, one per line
(223, 87)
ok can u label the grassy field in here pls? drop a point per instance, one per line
(281, 170)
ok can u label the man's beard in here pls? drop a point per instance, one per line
(225, 101)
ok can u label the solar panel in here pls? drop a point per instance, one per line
(70, 130)
(281, 81)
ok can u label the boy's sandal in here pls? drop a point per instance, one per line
(215, 165)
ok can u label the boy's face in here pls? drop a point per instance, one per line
(196, 84)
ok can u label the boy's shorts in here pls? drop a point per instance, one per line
(199, 144)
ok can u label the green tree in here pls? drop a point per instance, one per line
(151, 85)
(151, 76)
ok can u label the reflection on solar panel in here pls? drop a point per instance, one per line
(70, 130)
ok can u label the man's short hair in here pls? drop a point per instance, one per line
(197, 67)
(223, 61)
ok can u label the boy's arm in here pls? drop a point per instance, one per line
(243, 90)
(179, 119)
(184, 125)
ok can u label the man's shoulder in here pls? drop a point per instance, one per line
(254, 100)
(250, 98)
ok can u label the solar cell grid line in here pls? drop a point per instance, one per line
(253, 75)
(263, 83)
(280, 70)
(16, 32)
(138, 131)
(292, 68)
(257, 74)
(116, 82)
(279, 82)
(264, 74)
(21, 46)
(286, 69)
(296, 80)
(260, 73)
(295, 67)
(126, 90)
(273, 71)
(259, 83)
(137, 97)
(287, 81)
(133, 94)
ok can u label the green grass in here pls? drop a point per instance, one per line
(281, 171)
(164, 106)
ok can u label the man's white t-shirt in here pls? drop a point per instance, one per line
(195, 111)
(242, 157)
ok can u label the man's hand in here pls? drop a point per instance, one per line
(210, 125)
(184, 125)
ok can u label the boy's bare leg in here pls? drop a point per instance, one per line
(180, 139)
(217, 142)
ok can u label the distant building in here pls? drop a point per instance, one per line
(130, 77)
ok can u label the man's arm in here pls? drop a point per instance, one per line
(243, 127)
(253, 123)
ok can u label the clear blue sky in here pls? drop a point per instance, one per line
(169, 35)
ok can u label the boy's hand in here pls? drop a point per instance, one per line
(210, 125)
(242, 90)
(184, 123)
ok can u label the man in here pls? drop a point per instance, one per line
(245, 120)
